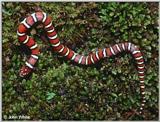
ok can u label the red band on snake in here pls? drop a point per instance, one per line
(63, 50)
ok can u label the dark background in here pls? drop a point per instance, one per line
(61, 90)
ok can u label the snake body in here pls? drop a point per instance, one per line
(63, 50)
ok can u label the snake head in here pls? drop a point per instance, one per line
(25, 70)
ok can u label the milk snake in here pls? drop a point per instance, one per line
(63, 50)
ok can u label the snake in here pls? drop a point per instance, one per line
(93, 57)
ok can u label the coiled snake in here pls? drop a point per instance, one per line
(63, 50)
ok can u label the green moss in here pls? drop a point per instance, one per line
(60, 90)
